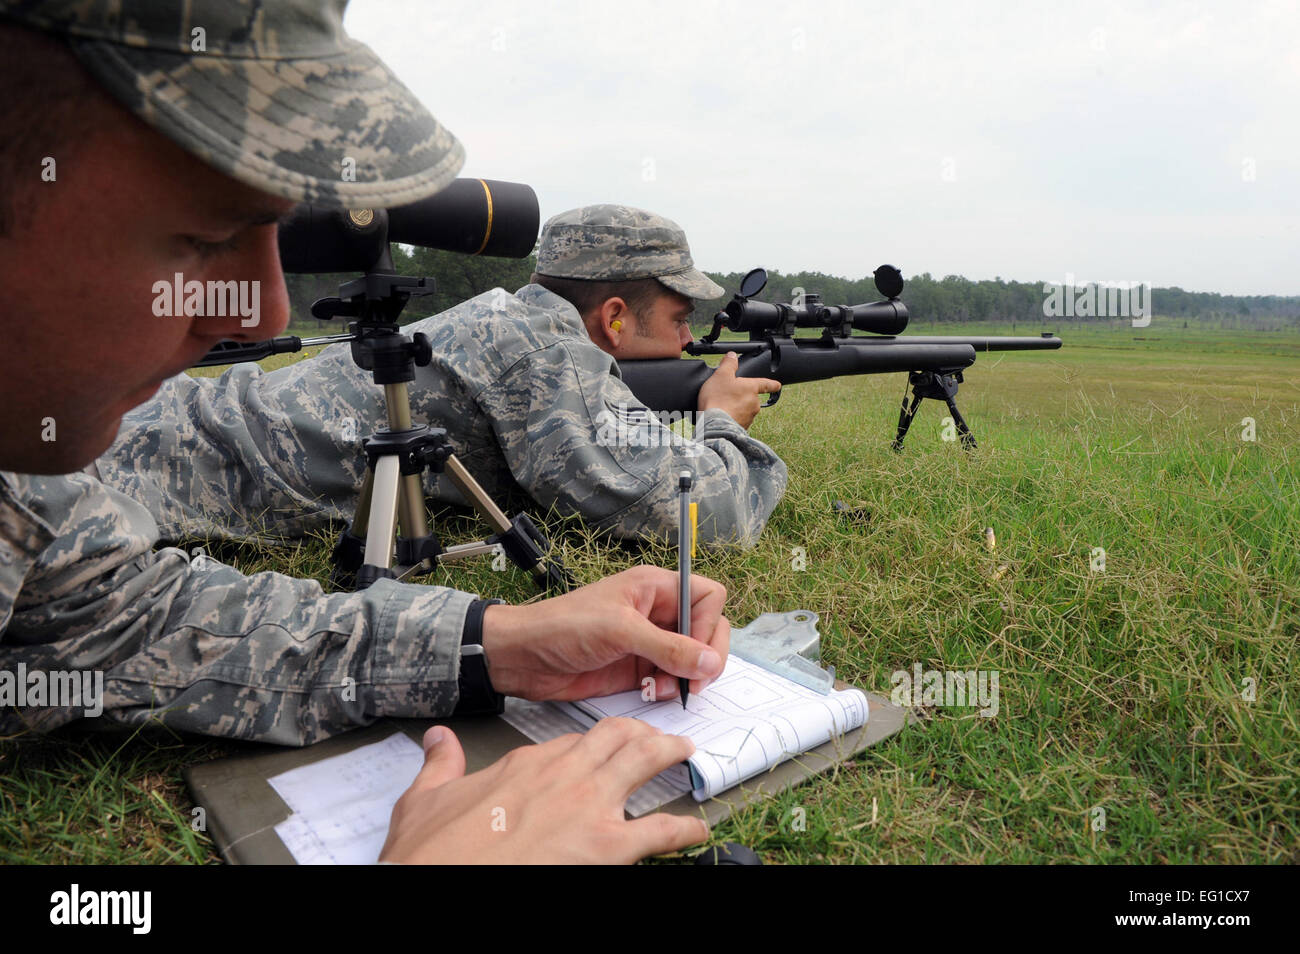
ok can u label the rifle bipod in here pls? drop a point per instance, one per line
(940, 386)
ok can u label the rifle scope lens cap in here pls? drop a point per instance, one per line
(729, 853)
(889, 280)
(753, 282)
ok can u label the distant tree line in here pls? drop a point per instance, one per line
(950, 299)
(957, 299)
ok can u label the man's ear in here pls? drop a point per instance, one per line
(608, 324)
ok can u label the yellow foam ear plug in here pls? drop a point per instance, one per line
(616, 325)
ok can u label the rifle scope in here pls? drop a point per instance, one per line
(470, 216)
(877, 317)
(760, 318)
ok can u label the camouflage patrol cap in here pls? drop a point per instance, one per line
(274, 94)
(615, 243)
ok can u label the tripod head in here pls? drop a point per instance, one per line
(375, 300)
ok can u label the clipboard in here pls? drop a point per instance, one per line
(242, 809)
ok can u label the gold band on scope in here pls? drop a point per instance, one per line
(487, 233)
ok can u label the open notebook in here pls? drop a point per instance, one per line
(742, 725)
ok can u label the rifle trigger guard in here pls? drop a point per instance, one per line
(772, 398)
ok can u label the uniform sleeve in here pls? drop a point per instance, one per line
(576, 437)
(197, 645)
(250, 454)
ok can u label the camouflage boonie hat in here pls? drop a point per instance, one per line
(614, 243)
(274, 94)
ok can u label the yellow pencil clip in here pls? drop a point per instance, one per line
(693, 513)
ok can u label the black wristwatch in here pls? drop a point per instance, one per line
(477, 697)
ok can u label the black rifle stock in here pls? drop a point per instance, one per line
(673, 384)
(934, 364)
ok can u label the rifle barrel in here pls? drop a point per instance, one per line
(994, 343)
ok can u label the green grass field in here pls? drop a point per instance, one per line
(1147, 711)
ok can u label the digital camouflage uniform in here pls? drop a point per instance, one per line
(529, 403)
(280, 98)
(198, 645)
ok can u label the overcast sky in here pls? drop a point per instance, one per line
(1154, 142)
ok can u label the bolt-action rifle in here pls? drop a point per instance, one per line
(934, 365)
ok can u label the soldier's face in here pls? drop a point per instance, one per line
(662, 331)
(91, 330)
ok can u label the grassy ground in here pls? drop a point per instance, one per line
(1146, 710)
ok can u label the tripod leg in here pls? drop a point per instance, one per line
(477, 496)
(349, 549)
(381, 533)
(361, 519)
(417, 547)
(523, 544)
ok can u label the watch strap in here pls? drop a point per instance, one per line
(476, 694)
